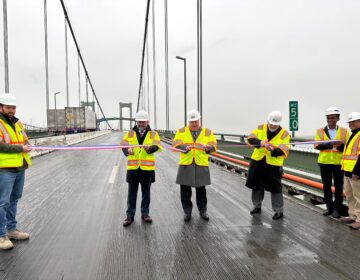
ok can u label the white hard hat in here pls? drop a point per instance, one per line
(193, 115)
(141, 116)
(354, 116)
(332, 111)
(8, 99)
(275, 118)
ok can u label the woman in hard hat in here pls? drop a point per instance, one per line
(271, 147)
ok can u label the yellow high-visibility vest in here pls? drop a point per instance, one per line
(281, 140)
(351, 153)
(332, 156)
(13, 137)
(198, 155)
(141, 158)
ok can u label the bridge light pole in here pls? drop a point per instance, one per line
(55, 93)
(184, 60)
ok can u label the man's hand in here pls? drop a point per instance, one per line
(208, 149)
(189, 148)
(355, 177)
(130, 151)
(146, 148)
(26, 148)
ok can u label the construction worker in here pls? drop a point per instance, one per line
(14, 160)
(141, 165)
(195, 143)
(351, 166)
(329, 160)
(271, 147)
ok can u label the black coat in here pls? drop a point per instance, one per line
(264, 176)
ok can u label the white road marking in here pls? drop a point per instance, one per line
(113, 174)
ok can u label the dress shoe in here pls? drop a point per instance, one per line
(146, 218)
(205, 216)
(335, 214)
(278, 216)
(327, 212)
(347, 220)
(187, 217)
(355, 225)
(255, 211)
(128, 222)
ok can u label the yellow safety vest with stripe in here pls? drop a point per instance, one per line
(13, 137)
(332, 156)
(281, 140)
(351, 153)
(141, 158)
(198, 155)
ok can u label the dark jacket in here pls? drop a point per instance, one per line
(262, 175)
(139, 175)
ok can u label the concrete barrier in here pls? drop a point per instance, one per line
(63, 140)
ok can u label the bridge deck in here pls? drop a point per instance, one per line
(74, 215)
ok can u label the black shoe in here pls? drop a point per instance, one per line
(146, 218)
(205, 216)
(187, 217)
(255, 211)
(127, 222)
(278, 216)
(328, 212)
(335, 214)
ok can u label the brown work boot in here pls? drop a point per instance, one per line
(128, 222)
(5, 243)
(355, 225)
(347, 220)
(18, 235)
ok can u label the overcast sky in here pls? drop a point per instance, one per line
(257, 55)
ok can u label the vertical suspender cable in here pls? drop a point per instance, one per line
(154, 61)
(82, 62)
(6, 54)
(46, 56)
(143, 54)
(87, 91)
(79, 81)
(67, 65)
(166, 64)
(199, 52)
(147, 78)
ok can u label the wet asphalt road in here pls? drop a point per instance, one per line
(74, 205)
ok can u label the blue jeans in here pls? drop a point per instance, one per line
(132, 195)
(11, 188)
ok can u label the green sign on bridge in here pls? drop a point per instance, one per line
(294, 116)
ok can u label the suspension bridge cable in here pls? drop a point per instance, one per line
(82, 62)
(143, 53)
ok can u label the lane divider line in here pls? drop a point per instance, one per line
(113, 174)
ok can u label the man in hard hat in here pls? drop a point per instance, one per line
(329, 160)
(271, 147)
(140, 165)
(351, 166)
(195, 143)
(14, 160)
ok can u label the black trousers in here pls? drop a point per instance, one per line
(328, 172)
(201, 199)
